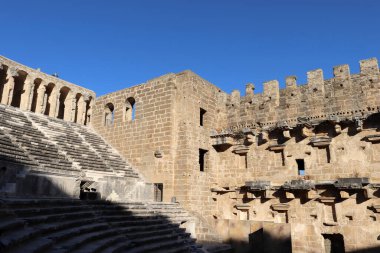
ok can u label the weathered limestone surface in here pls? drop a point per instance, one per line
(314, 133)
(32, 90)
(42, 156)
(296, 169)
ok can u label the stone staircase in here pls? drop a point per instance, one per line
(67, 225)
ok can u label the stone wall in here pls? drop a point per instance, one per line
(294, 145)
(145, 138)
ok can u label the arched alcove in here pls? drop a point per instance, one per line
(63, 92)
(129, 109)
(18, 88)
(109, 114)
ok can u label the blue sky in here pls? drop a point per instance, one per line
(113, 44)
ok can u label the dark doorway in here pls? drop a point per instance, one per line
(202, 155)
(301, 166)
(158, 192)
(87, 192)
(334, 243)
(201, 116)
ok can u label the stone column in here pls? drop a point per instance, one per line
(69, 107)
(89, 112)
(27, 95)
(54, 102)
(9, 86)
(41, 98)
(81, 114)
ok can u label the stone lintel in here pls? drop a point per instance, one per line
(277, 147)
(327, 200)
(242, 207)
(280, 207)
(320, 141)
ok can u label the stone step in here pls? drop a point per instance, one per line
(102, 245)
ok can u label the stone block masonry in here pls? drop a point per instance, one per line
(295, 169)
(203, 144)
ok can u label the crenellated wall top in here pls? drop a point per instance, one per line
(345, 96)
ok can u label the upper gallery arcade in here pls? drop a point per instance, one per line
(32, 90)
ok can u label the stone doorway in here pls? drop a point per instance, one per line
(158, 192)
(334, 243)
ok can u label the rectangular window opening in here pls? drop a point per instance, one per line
(202, 155)
(202, 114)
(301, 166)
(158, 192)
(328, 155)
(282, 158)
(246, 161)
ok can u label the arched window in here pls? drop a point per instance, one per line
(109, 114)
(129, 110)
(62, 101)
(18, 88)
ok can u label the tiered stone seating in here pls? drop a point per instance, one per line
(66, 225)
(28, 138)
(70, 142)
(10, 152)
(171, 210)
(108, 154)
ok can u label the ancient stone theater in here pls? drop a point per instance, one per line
(178, 165)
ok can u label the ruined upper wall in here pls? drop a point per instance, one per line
(345, 96)
(43, 76)
(32, 90)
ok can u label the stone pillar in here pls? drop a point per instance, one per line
(6, 99)
(27, 95)
(89, 112)
(69, 107)
(81, 113)
(41, 98)
(54, 102)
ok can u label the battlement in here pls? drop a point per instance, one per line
(344, 94)
(315, 79)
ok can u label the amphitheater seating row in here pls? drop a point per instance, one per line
(67, 225)
(55, 146)
(28, 138)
